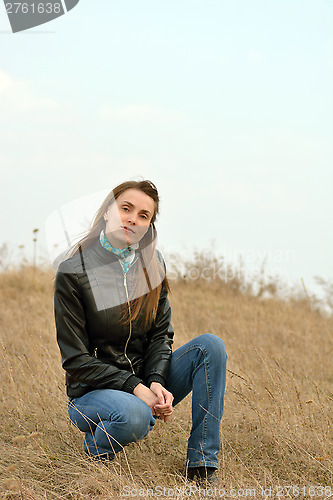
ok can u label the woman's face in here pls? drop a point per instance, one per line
(128, 218)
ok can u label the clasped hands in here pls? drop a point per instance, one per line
(157, 398)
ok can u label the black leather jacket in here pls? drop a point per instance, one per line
(98, 352)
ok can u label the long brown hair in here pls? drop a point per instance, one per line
(145, 304)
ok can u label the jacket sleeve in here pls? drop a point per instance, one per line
(73, 340)
(160, 338)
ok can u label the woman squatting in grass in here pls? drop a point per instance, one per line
(114, 331)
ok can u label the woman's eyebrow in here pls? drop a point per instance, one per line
(132, 205)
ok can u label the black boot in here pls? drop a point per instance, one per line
(203, 475)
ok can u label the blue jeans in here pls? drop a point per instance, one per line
(112, 419)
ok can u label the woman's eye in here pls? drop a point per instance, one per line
(126, 209)
(144, 216)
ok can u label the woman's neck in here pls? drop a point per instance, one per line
(115, 242)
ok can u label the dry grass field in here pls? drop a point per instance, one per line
(276, 430)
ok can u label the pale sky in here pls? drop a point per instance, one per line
(225, 105)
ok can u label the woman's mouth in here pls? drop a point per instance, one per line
(128, 229)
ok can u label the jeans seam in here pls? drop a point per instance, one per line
(206, 365)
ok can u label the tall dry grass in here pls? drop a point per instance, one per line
(277, 425)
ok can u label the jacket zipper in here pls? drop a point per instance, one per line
(130, 324)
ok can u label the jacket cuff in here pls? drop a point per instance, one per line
(131, 383)
(155, 378)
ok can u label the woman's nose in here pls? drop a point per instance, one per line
(132, 219)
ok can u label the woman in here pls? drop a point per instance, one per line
(114, 332)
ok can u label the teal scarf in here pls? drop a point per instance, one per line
(125, 255)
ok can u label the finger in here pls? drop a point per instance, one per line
(165, 411)
(165, 416)
(169, 398)
(163, 407)
(161, 398)
(167, 395)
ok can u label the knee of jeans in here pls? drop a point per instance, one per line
(214, 345)
(140, 423)
(81, 421)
